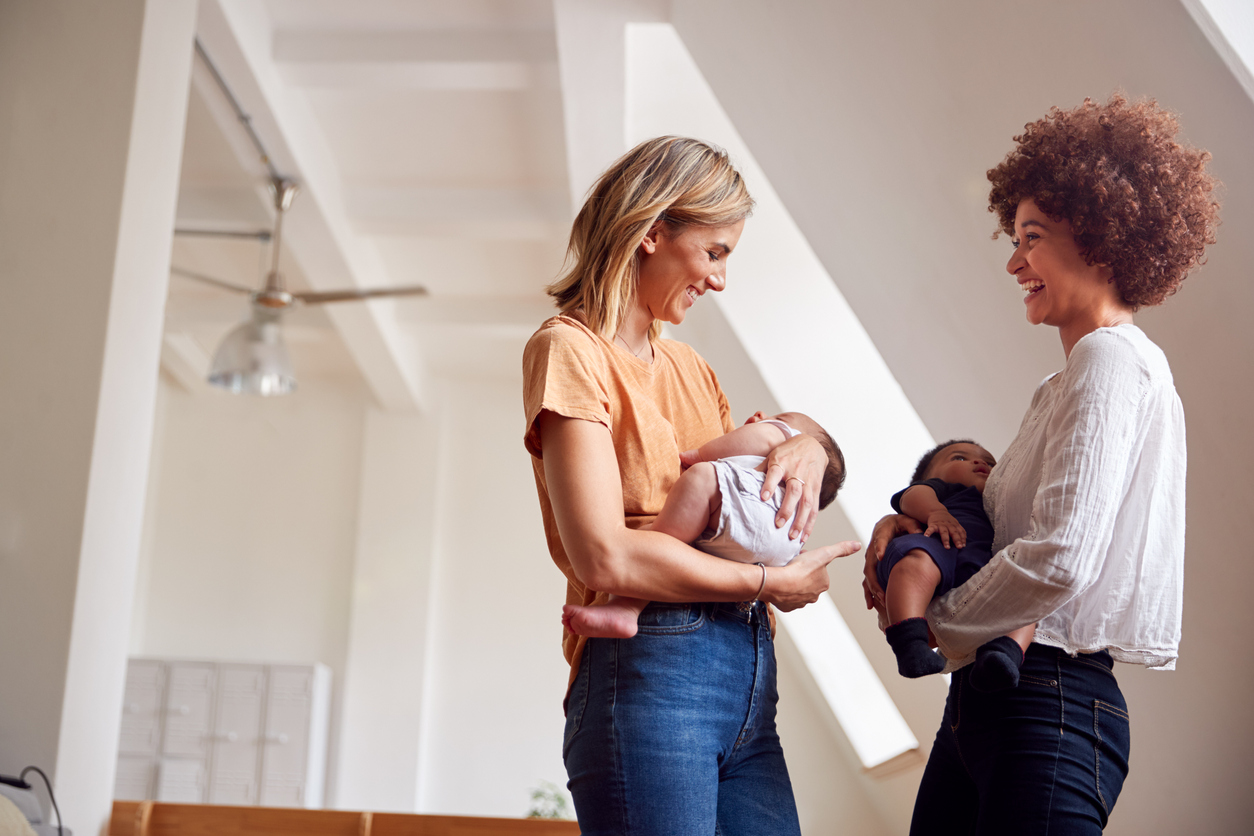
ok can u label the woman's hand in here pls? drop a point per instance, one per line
(799, 463)
(885, 530)
(881, 610)
(803, 580)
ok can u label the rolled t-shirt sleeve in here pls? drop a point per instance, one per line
(1090, 442)
(563, 373)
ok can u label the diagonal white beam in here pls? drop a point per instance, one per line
(813, 355)
(414, 46)
(591, 53)
(619, 88)
(237, 35)
(1229, 26)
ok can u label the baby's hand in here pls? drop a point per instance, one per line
(950, 529)
(688, 458)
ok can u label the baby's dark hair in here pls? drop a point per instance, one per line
(920, 470)
(834, 474)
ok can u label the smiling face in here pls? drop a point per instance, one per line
(1060, 289)
(962, 464)
(678, 267)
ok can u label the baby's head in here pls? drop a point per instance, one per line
(834, 475)
(960, 461)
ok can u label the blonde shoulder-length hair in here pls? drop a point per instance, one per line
(672, 179)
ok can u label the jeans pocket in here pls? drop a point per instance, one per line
(660, 619)
(1039, 681)
(1113, 734)
(577, 700)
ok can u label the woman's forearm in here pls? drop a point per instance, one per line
(585, 488)
(657, 567)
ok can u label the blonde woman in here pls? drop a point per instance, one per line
(672, 731)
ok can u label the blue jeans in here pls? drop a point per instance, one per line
(673, 731)
(1047, 757)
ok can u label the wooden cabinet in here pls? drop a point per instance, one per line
(224, 733)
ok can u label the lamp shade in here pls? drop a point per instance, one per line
(253, 359)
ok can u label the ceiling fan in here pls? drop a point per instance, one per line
(252, 358)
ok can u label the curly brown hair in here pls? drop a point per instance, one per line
(1137, 200)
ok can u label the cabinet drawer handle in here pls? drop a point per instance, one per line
(281, 737)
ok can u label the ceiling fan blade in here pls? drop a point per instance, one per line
(200, 277)
(315, 298)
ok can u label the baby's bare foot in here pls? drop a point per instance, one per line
(604, 621)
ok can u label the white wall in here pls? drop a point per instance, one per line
(250, 554)
(248, 550)
(492, 724)
(381, 721)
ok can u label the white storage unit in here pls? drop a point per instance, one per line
(221, 733)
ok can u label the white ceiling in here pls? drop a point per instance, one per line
(443, 164)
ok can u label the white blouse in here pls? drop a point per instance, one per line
(1087, 507)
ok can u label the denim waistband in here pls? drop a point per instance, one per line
(1102, 657)
(738, 610)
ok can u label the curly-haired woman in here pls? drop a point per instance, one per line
(1107, 213)
(672, 731)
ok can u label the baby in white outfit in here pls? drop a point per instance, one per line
(717, 505)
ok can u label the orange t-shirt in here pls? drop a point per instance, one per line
(653, 411)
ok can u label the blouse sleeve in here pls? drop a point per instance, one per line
(564, 373)
(1090, 441)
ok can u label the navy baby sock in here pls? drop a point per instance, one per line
(997, 665)
(908, 640)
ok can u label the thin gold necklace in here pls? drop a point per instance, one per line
(627, 345)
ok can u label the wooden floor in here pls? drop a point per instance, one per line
(148, 818)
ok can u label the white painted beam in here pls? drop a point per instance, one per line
(591, 59)
(813, 355)
(617, 92)
(93, 98)
(237, 36)
(186, 360)
(517, 213)
(1229, 26)
(503, 76)
(415, 46)
(433, 59)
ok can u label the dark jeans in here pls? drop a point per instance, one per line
(1047, 757)
(673, 731)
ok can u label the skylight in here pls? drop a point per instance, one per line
(1229, 26)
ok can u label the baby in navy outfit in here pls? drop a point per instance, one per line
(946, 494)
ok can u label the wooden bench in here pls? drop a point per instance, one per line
(149, 818)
